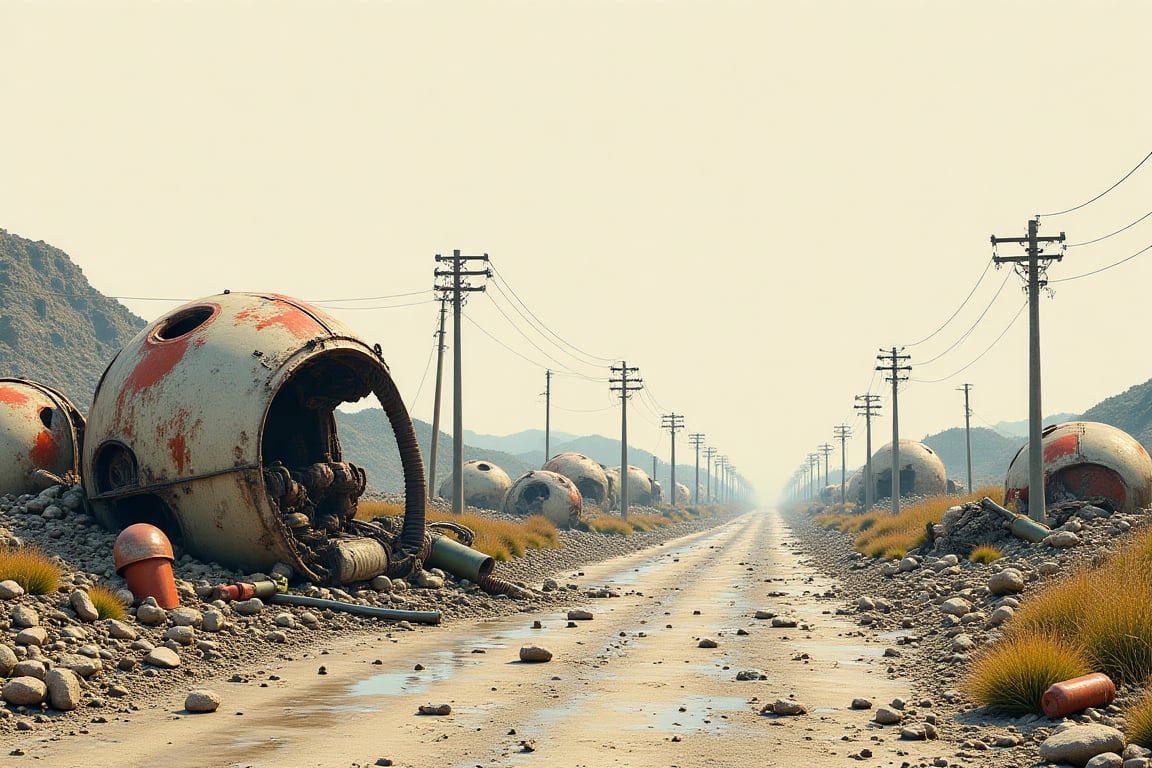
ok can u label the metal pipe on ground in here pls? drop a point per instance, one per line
(390, 614)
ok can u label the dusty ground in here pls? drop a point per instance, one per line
(631, 687)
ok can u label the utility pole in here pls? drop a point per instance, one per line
(672, 422)
(893, 375)
(825, 449)
(870, 409)
(460, 286)
(624, 382)
(696, 439)
(843, 432)
(967, 432)
(436, 402)
(709, 452)
(1035, 272)
(547, 414)
(721, 461)
(814, 461)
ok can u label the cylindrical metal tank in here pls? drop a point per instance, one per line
(1082, 460)
(40, 429)
(215, 423)
(541, 492)
(642, 489)
(484, 485)
(921, 471)
(587, 474)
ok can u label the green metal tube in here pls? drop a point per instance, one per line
(1026, 528)
(459, 560)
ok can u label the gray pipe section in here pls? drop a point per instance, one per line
(391, 614)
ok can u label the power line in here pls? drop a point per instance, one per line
(1105, 237)
(525, 336)
(986, 351)
(1078, 207)
(1105, 268)
(967, 333)
(962, 305)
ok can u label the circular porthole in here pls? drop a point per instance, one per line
(183, 323)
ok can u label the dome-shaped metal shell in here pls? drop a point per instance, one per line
(40, 429)
(484, 484)
(1085, 459)
(586, 473)
(140, 541)
(642, 489)
(921, 471)
(215, 418)
(540, 492)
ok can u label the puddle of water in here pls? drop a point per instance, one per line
(700, 713)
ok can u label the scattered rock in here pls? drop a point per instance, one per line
(1079, 743)
(202, 700)
(534, 653)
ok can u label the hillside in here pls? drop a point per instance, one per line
(1131, 411)
(54, 327)
(991, 454)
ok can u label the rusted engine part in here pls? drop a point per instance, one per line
(191, 412)
(41, 432)
(541, 492)
(1085, 460)
(484, 485)
(588, 476)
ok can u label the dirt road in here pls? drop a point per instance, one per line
(630, 687)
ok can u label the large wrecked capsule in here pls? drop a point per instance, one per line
(587, 474)
(921, 471)
(1085, 460)
(642, 489)
(484, 485)
(40, 436)
(215, 423)
(540, 492)
(683, 495)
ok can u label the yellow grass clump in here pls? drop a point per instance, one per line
(33, 570)
(108, 604)
(1138, 720)
(985, 553)
(607, 524)
(1011, 675)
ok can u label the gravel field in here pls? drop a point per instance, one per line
(100, 670)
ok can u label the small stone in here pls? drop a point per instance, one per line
(1007, 581)
(861, 704)
(63, 689)
(8, 660)
(579, 615)
(885, 716)
(435, 709)
(249, 607)
(202, 700)
(785, 707)
(163, 657)
(26, 691)
(707, 642)
(10, 590)
(956, 606)
(151, 615)
(534, 653)
(765, 615)
(82, 604)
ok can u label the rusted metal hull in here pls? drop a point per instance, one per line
(40, 429)
(541, 492)
(921, 471)
(216, 421)
(1082, 460)
(586, 473)
(485, 485)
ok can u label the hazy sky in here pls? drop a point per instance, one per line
(745, 200)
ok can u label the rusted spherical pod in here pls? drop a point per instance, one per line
(642, 489)
(587, 474)
(216, 424)
(921, 471)
(40, 432)
(854, 492)
(484, 485)
(143, 555)
(540, 492)
(1085, 460)
(683, 495)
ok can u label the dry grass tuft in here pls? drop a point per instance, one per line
(1010, 676)
(32, 569)
(108, 604)
(985, 553)
(1138, 720)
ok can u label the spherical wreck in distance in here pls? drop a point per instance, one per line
(1085, 460)
(612, 474)
(642, 489)
(587, 474)
(41, 432)
(921, 471)
(540, 492)
(484, 485)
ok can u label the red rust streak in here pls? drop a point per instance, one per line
(13, 395)
(44, 451)
(291, 319)
(179, 450)
(1060, 447)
